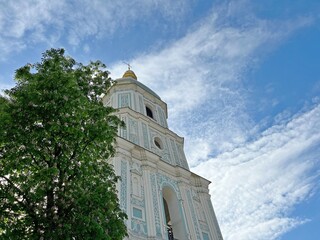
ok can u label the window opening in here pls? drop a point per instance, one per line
(173, 218)
(205, 236)
(136, 212)
(168, 220)
(158, 142)
(149, 112)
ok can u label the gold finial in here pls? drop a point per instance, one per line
(129, 73)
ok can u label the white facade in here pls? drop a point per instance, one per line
(157, 189)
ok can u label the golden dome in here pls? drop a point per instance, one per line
(129, 73)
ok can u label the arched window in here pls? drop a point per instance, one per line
(149, 112)
(172, 215)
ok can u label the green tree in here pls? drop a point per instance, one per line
(55, 139)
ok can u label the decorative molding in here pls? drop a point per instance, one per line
(136, 168)
(147, 167)
(205, 235)
(175, 154)
(164, 180)
(133, 131)
(124, 100)
(216, 225)
(123, 130)
(135, 171)
(161, 117)
(123, 186)
(139, 227)
(142, 109)
(204, 227)
(193, 214)
(183, 160)
(164, 152)
(155, 204)
(145, 136)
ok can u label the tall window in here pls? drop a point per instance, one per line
(149, 112)
(173, 218)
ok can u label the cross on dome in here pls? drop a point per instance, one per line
(128, 64)
(129, 73)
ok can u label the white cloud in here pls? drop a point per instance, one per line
(31, 22)
(200, 77)
(257, 184)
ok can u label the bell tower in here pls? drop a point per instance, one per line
(161, 196)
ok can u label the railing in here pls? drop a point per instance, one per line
(170, 233)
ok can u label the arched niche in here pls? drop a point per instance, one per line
(172, 214)
(136, 186)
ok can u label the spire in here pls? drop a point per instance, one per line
(129, 73)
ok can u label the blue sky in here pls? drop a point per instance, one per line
(242, 84)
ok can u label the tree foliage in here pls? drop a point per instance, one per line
(55, 138)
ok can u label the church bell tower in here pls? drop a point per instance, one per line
(161, 196)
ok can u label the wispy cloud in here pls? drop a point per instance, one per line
(200, 77)
(25, 22)
(31, 22)
(257, 184)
